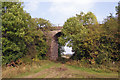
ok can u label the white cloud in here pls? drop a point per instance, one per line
(65, 0)
(68, 7)
(31, 6)
(68, 50)
(64, 7)
(60, 10)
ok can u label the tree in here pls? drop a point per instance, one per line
(87, 19)
(38, 46)
(111, 40)
(19, 33)
(76, 32)
(110, 24)
(42, 23)
(118, 13)
(90, 41)
(14, 28)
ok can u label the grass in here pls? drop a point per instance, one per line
(92, 70)
(49, 69)
(24, 70)
(45, 65)
(101, 71)
(94, 67)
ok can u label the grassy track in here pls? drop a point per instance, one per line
(48, 69)
(65, 71)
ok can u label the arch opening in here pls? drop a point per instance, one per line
(57, 35)
(57, 50)
(63, 51)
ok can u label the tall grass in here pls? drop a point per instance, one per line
(25, 69)
(94, 67)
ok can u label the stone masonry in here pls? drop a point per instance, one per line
(53, 47)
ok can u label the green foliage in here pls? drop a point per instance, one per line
(60, 50)
(87, 19)
(75, 31)
(112, 37)
(118, 13)
(91, 41)
(21, 37)
(14, 27)
(42, 23)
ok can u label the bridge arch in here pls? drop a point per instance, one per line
(53, 48)
(57, 35)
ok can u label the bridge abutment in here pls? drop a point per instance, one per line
(53, 46)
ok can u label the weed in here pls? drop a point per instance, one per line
(22, 70)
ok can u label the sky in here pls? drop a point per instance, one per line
(58, 11)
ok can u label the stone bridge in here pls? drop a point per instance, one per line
(53, 46)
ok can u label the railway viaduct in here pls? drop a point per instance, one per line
(53, 44)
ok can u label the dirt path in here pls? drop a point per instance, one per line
(50, 72)
(62, 71)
